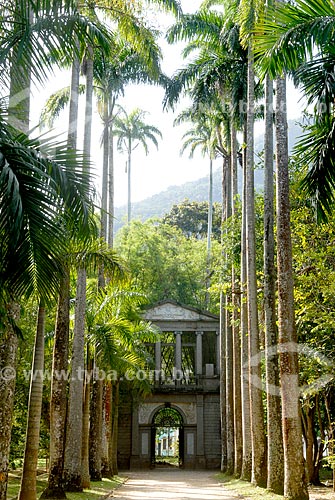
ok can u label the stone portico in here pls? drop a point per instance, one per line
(186, 379)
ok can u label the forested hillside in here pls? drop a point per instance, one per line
(161, 203)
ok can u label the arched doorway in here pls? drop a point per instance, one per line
(167, 438)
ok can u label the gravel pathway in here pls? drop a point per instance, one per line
(176, 484)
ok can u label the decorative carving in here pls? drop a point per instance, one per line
(145, 410)
(171, 312)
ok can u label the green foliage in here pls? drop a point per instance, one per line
(314, 268)
(191, 217)
(43, 33)
(164, 263)
(98, 489)
(41, 183)
(297, 38)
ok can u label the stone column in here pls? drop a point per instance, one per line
(158, 361)
(135, 439)
(178, 374)
(198, 354)
(218, 356)
(201, 462)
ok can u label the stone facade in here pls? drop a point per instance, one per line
(190, 341)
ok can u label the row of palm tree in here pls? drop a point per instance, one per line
(236, 47)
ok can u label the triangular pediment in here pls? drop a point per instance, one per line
(172, 311)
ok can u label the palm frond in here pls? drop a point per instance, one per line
(55, 104)
(278, 39)
(316, 154)
(41, 183)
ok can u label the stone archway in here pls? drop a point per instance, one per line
(167, 437)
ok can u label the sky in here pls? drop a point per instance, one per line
(161, 168)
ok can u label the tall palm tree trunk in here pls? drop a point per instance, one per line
(223, 346)
(129, 179)
(104, 187)
(74, 436)
(105, 471)
(235, 324)
(295, 485)
(85, 452)
(28, 489)
(58, 404)
(256, 401)
(8, 361)
(72, 475)
(74, 103)
(245, 391)
(209, 230)
(110, 428)
(115, 432)
(96, 430)
(229, 344)
(58, 392)
(111, 176)
(275, 458)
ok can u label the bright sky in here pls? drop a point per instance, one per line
(163, 167)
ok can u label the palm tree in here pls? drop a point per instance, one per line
(25, 24)
(72, 474)
(304, 29)
(247, 21)
(288, 355)
(131, 131)
(43, 189)
(112, 75)
(203, 136)
(275, 457)
(117, 334)
(28, 484)
(296, 38)
(275, 470)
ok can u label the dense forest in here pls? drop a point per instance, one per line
(73, 290)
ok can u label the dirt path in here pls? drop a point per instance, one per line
(176, 484)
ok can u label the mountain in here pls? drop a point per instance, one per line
(161, 203)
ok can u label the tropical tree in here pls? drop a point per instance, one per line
(247, 20)
(117, 333)
(25, 54)
(28, 166)
(296, 38)
(191, 217)
(132, 131)
(296, 23)
(275, 459)
(275, 471)
(156, 253)
(201, 136)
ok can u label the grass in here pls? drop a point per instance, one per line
(98, 490)
(167, 460)
(246, 489)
